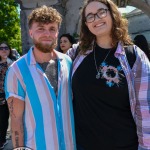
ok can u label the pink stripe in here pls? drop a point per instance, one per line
(66, 110)
(52, 115)
(31, 119)
(69, 132)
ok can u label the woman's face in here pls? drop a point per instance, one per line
(65, 44)
(4, 51)
(98, 19)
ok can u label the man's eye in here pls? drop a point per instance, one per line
(53, 29)
(40, 29)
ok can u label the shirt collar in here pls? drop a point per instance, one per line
(31, 59)
(120, 49)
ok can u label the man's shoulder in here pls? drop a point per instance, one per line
(19, 62)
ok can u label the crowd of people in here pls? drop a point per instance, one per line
(93, 94)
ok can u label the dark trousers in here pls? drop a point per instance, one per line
(4, 116)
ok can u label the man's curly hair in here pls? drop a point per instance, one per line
(44, 15)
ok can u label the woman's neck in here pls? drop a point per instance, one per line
(104, 42)
(3, 59)
(65, 51)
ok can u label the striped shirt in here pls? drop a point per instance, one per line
(48, 120)
(138, 79)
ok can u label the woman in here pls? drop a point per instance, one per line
(66, 41)
(110, 97)
(5, 61)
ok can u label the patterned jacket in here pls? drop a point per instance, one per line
(138, 79)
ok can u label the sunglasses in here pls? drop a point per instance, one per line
(4, 48)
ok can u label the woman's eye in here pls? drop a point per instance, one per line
(90, 17)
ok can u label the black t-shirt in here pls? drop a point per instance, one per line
(103, 119)
(50, 69)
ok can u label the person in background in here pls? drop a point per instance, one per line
(15, 54)
(111, 97)
(66, 42)
(5, 62)
(38, 89)
(142, 43)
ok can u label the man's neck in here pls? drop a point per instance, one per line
(41, 57)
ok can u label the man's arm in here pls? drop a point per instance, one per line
(16, 109)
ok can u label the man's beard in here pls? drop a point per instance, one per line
(45, 48)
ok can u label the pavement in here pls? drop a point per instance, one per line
(9, 145)
(8, 137)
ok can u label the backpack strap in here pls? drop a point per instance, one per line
(130, 53)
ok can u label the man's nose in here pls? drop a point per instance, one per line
(47, 32)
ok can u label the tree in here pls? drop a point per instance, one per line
(10, 24)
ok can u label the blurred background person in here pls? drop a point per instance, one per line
(15, 54)
(5, 61)
(142, 43)
(66, 41)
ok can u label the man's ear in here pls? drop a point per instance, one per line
(85, 23)
(30, 33)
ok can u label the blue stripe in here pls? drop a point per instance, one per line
(35, 104)
(69, 65)
(21, 91)
(59, 118)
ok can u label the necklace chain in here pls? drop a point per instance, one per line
(98, 70)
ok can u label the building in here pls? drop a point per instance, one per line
(139, 23)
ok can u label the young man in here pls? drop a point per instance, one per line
(38, 89)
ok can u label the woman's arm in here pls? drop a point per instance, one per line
(142, 92)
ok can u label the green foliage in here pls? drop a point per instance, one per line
(10, 24)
